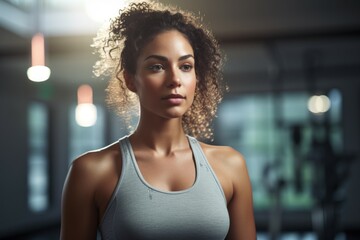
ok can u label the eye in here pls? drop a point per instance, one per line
(156, 67)
(186, 67)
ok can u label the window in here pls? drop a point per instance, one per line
(38, 164)
(274, 134)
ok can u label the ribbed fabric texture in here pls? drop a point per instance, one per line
(139, 211)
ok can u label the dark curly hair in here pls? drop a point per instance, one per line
(120, 45)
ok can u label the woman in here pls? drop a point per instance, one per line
(160, 182)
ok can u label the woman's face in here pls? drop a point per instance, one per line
(165, 77)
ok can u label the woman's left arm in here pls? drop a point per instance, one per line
(240, 207)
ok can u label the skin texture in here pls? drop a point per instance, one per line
(161, 148)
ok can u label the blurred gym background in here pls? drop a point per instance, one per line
(293, 68)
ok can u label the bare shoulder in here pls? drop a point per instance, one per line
(96, 163)
(224, 155)
(229, 166)
(82, 198)
(91, 170)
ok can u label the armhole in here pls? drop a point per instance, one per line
(198, 146)
(118, 184)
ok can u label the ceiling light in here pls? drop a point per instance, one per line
(85, 112)
(38, 72)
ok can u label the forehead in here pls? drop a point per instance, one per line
(168, 43)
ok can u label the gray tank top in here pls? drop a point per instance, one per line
(139, 211)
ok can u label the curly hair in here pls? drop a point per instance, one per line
(120, 45)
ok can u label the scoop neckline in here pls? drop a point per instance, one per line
(148, 185)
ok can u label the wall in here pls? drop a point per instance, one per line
(16, 92)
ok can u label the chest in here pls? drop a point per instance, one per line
(175, 172)
(168, 174)
(157, 215)
(141, 211)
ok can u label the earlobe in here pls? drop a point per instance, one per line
(129, 81)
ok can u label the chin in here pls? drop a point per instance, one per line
(174, 114)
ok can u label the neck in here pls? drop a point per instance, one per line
(160, 135)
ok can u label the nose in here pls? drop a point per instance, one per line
(174, 78)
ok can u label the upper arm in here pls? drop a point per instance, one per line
(240, 207)
(79, 212)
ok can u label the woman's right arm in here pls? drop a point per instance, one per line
(79, 211)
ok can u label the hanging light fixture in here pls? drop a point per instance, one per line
(38, 72)
(85, 112)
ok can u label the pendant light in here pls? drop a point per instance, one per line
(38, 72)
(85, 112)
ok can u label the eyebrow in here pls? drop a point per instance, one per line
(162, 58)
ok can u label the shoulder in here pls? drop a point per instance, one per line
(80, 201)
(90, 169)
(96, 162)
(229, 166)
(224, 155)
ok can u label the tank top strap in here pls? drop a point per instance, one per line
(128, 165)
(199, 156)
(124, 171)
(125, 152)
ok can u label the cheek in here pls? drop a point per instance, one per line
(146, 85)
(191, 88)
(193, 84)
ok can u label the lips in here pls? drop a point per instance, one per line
(174, 99)
(173, 96)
